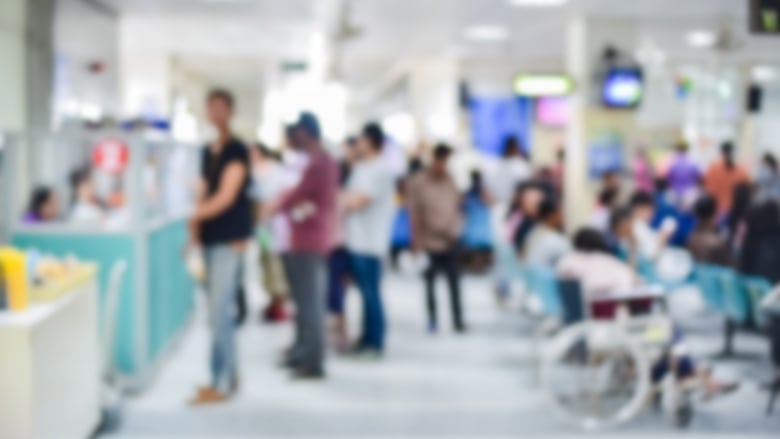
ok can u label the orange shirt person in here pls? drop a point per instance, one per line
(723, 176)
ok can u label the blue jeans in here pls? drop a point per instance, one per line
(223, 278)
(367, 272)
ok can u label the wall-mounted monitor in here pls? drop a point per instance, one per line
(623, 88)
(765, 17)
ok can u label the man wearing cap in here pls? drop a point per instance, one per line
(437, 222)
(311, 209)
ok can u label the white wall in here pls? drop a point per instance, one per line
(85, 35)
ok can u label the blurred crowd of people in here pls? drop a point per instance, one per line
(324, 222)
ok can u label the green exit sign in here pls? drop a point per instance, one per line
(765, 16)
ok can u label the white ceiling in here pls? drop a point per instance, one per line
(399, 29)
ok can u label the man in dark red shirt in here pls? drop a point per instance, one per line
(311, 209)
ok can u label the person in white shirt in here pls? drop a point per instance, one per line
(270, 180)
(649, 242)
(546, 243)
(369, 205)
(503, 180)
(592, 264)
(86, 210)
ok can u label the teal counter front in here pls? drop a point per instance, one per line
(156, 297)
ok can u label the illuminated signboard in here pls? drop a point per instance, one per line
(532, 85)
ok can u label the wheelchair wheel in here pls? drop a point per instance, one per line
(596, 374)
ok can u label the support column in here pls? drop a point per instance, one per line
(586, 40)
(434, 95)
(26, 80)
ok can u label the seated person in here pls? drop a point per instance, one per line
(86, 209)
(524, 211)
(593, 265)
(760, 252)
(649, 242)
(598, 272)
(43, 207)
(599, 219)
(620, 237)
(546, 243)
(707, 243)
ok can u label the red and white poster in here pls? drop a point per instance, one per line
(111, 155)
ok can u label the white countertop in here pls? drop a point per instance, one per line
(35, 314)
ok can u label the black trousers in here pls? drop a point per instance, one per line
(446, 263)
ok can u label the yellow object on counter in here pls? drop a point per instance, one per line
(14, 265)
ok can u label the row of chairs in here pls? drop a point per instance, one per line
(736, 297)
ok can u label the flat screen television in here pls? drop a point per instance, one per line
(623, 88)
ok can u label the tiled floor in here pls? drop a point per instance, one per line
(474, 386)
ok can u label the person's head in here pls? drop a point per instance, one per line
(475, 179)
(219, 107)
(441, 157)
(307, 131)
(415, 165)
(706, 210)
(511, 147)
(589, 240)
(661, 185)
(550, 213)
(44, 205)
(81, 186)
(608, 197)
(610, 179)
(528, 197)
(769, 163)
(727, 152)
(620, 223)
(371, 141)
(261, 154)
(561, 154)
(642, 206)
(681, 148)
(291, 137)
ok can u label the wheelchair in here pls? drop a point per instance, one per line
(598, 373)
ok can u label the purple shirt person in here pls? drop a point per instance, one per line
(684, 174)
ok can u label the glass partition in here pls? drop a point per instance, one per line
(107, 179)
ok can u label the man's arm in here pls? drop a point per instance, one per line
(228, 190)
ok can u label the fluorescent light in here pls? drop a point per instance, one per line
(538, 3)
(701, 38)
(486, 32)
(543, 85)
(764, 73)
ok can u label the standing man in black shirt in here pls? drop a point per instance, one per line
(222, 224)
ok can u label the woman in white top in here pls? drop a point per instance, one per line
(592, 264)
(86, 210)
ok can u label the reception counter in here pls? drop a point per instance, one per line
(50, 376)
(156, 296)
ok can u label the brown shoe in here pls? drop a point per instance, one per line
(208, 396)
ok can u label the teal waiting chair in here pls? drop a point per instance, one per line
(706, 277)
(543, 282)
(757, 288)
